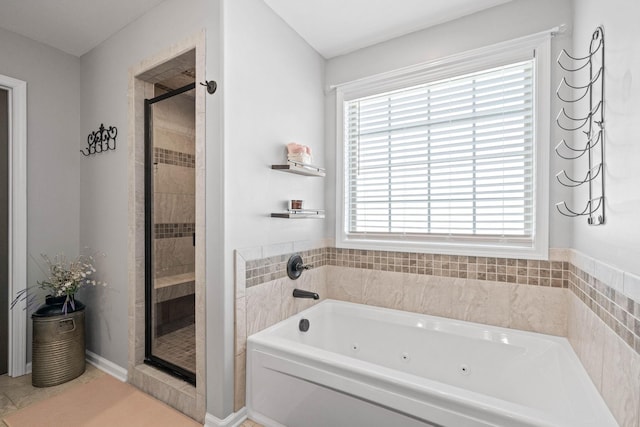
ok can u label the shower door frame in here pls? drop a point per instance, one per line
(149, 358)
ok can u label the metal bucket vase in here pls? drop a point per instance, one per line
(58, 351)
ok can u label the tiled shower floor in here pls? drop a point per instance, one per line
(178, 347)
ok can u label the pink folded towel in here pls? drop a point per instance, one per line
(298, 153)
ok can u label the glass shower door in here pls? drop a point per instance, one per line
(170, 231)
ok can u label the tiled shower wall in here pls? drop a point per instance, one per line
(554, 297)
(174, 186)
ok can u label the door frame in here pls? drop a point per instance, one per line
(17, 357)
(171, 390)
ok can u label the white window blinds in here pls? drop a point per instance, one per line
(447, 158)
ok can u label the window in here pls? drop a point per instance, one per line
(449, 160)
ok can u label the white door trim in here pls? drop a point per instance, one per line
(17, 362)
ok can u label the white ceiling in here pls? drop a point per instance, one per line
(332, 27)
(73, 26)
(336, 27)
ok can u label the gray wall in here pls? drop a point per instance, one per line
(104, 178)
(53, 158)
(219, 297)
(104, 184)
(501, 23)
(273, 95)
(617, 242)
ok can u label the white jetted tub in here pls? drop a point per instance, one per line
(359, 365)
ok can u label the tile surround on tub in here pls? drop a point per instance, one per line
(586, 333)
(621, 388)
(586, 302)
(365, 268)
(613, 366)
(619, 312)
(493, 303)
(259, 307)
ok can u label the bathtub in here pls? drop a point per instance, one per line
(359, 365)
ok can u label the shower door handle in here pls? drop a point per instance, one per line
(194, 239)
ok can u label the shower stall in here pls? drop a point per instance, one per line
(170, 200)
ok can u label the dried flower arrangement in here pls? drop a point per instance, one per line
(65, 278)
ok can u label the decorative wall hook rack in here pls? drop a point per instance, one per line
(584, 88)
(591, 143)
(590, 207)
(567, 181)
(591, 125)
(588, 120)
(104, 139)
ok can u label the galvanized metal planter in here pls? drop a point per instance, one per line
(58, 353)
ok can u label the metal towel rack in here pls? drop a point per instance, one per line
(591, 125)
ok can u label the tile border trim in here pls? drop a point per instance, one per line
(172, 157)
(168, 230)
(508, 270)
(264, 270)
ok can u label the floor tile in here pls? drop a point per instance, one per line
(16, 393)
(178, 347)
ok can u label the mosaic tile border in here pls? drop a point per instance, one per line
(617, 311)
(174, 229)
(264, 270)
(176, 158)
(511, 270)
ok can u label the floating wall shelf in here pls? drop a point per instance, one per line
(299, 214)
(300, 169)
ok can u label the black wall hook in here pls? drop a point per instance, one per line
(211, 85)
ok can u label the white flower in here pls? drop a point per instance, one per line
(66, 277)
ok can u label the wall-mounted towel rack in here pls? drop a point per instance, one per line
(591, 125)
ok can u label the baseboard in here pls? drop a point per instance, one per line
(233, 420)
(107, 366)
(28, 368)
